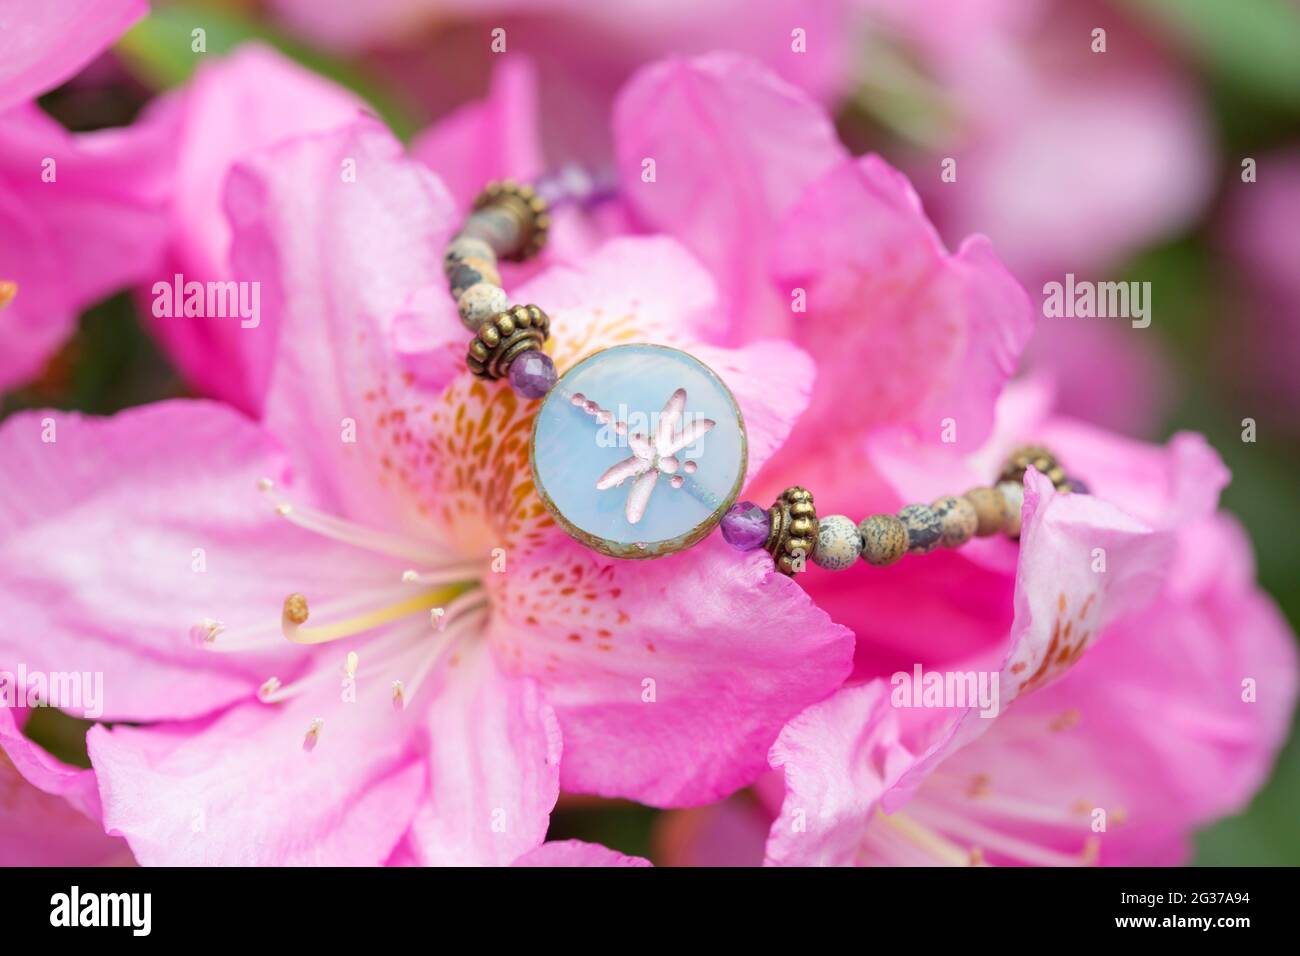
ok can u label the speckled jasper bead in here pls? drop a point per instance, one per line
(923, 530)
(462, 248)
(990, 510)
(480, 302)
(884, 539)
(1014, 494)
(957, 520)
(838, 543)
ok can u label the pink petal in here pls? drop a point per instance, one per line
(337, 261)
(493, 748)
(771, 382)
(570, 853)
(116, 537)
(52, 814)
(233, 107)
(839, 758)
(240, 789)
(67, 243)
(497, 138)
(733, 146)
(903, 332)
(45, 43)
(728, 649)
(630, 289)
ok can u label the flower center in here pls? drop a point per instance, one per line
(425, 611)
(8, 290)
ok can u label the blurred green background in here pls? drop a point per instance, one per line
(1247, 62)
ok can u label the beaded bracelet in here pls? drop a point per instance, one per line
(682, 401)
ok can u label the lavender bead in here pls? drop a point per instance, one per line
(532, 374)
(745, 526)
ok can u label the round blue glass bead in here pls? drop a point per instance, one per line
(639, 450)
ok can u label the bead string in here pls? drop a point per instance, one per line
(510, 221)
(791, 532)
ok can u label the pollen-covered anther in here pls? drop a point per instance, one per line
(399, 696)
(410, 575)
(350, 665)
(8, 290)
(205, 631)
(313, 734)
(268, 689)
(265, 484)
(295, 610)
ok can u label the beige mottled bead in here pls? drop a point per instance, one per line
(481, 302)
(990, 510)
(838, 543)
(465, 247)
(957, 520)
(1014, 493)
(884, 539)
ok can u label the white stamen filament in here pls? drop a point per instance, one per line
(340, 529)
(996, 841)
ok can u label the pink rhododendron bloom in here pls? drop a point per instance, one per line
(124, 534)
(1156, 691)
(831, 250)
(43, 44)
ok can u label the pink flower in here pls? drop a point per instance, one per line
(80, 213)
(832, 251)
(52, 813)
(1136, 703)
(45, 43)
(233, 107)
(123, 533)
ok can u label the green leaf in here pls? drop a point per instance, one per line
(1254, 44)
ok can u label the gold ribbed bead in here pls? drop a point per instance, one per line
(504, 337)
(793, 530)
(522, 204)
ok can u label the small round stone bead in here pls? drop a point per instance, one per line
(884, 539)
(480, 302)
(1014, 493)
(462, 248)
(990, 510)
(957, 520)
(745, 526)
(532, 374)
(471, 272)
(923, 530)
(838, 543)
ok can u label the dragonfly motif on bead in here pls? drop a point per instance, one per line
(652, 458)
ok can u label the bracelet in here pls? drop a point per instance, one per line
(668, 410)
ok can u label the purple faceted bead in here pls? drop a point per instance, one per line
(532, 374)
(745, 526)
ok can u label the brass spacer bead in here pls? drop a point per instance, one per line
(1043, 461)
(793, 530)
(522, 204)
(501, 339)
